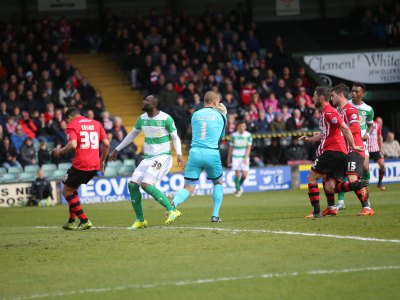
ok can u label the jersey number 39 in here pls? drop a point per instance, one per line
(89, 140)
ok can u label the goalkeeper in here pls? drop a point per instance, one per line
(208, 127)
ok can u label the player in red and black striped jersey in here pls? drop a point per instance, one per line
(331, 154)
(376, 152)
(84, 138)
(355, 159)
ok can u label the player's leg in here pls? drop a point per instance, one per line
(340, 205)
(245, 171)
(73, 180)
(217, 198)
(313, 194)
(381, 164)
(193, 169)
(136, 200)
(330, 198)
(213, 168)
(237, 180)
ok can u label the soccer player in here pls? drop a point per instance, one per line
(366, 114)
(331, 153)
(158, 128)
(355, 159)
(376, 151)
(208, 127)
(84, 137)
(239, 155)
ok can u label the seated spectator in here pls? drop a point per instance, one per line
(296, 151)
(287, 99)
(4, 115)
(44, 156)
(117, 126)
(66, 94)
(285, 113)
(391, 146)
(41, 191)
(44, 131)
(302, 94)
(27, 125)
(230, 103)
(296, 122)
(179, 112)
(231, 126)
(10, 126)
(313, 122)
(255, 106)
(274, 154)
(269, 114)
(251, 124)
(168, 96)
(18, 138)
(106, 121)
(278, 124)
(271, 101)
(262, 123)
(28, 153)
(246, 93)
(8, 154)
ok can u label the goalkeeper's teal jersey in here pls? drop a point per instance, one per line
(208, 127)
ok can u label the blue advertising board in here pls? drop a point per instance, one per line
(102, 189)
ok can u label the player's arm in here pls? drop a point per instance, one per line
(105, 149)
(70, 146)
(248, 151)
(178, 146)
(316, 138)
(125, 142)
(370, 124)
(349, 136)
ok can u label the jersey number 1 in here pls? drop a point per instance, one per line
(89, 140)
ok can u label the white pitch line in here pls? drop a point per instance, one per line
(200, 281)
(313, 234)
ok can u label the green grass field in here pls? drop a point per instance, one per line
(264, 249)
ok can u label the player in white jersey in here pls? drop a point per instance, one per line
(376, 152)
(239, 155)
(158, 128)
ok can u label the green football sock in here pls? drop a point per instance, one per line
(341, 194)
(242, 180)
(366, 176)
(159, 197)
(136, 199)
(237, 183)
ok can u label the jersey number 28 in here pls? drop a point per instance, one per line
(89, 140)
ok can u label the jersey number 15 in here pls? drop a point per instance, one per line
(89, 140)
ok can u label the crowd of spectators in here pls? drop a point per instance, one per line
(182, 57)
(37, 85)
(382, 22)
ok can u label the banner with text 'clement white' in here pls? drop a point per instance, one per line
(102, 189)
(367, 67)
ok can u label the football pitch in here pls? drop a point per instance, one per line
(263, 249)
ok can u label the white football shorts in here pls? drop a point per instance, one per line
(152, 170)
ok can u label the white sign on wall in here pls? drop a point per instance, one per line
(287, 7)
(52, 5)
(366, 67)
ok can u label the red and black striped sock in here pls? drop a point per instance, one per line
(72, 215)
(313, 194)
(347, 186)
(381, 174)
(75, 207)
(330, 198)
(363, 200)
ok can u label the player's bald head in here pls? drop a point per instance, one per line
(211, 98)
(155, 99)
